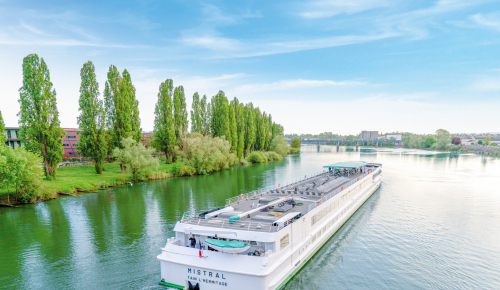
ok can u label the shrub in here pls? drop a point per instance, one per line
(494, 144)
(205, 154)
(273, 156)
(137, 157)
(279, 145)
(296, 142)
(480, 142)
(292, 150)
(456, 141)
(65, 159)
(257, 157)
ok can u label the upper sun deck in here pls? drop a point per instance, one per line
(271, 210)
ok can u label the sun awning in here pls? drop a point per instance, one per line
(226, 244)
(348, 164)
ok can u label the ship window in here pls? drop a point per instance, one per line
(284, 241)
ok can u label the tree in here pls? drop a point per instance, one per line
(196, 115)
(480, 142)
(233, 129)
(487, 140)
(2, 130)
(296, 142)
(92, 142)
(456, 141)
(39, 117)
(241, 126)
(164, 132)
(220, 116)
(180, 113)
(205, 116)
(279, 145)
(20, 170)
(121, 108)
(443, 138)
(137, 157)
(494, 144)
(250, 127)
(429, 141)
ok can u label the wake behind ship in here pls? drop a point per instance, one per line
(260, 240)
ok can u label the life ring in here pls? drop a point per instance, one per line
(319, 202)
(342, 188)
(242, 196)
(358, 178)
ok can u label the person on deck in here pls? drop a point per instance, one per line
(193, 241)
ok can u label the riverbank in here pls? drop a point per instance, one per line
(79, 179)
(493, 151)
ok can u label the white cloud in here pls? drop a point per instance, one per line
(486, 85)
(325, 8)
(292, 84)
(211, 42)
(491, 20)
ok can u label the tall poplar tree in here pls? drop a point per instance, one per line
(92, 142)
(220, 116)
(39, 117)
(233, 129)
(180, 113)
(121, 109)
(164, 132)
(241, 125)
(205, 116)
(196, 115)
(250, 128)
(208, 118)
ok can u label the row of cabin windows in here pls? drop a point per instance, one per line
(67, 145)
(317, 217)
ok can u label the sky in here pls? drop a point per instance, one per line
(316, 66)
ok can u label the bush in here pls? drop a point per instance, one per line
(452, 148)
(292, 150)
(65, 159)
(257, 157)
(205, 154)
(456, 141)
(480, 142)
(273, 156)
(138, 158)
(494, 144)
(296, 142)
(279, 145)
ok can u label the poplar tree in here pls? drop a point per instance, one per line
(205, 116)
(92, 142)
(121, 109)
(250, 128)
(220, 116)
(233, 129)
(164, 132)
(196, 115)
(264, 131)
(2, 130)
(39, 117)
(241, 124)
(180, 113)
(208, 119)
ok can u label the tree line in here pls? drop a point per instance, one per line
(105, 122)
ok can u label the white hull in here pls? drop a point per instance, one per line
(230, 271)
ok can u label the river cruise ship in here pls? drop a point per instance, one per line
(260, 240)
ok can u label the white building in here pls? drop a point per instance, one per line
(396, 137)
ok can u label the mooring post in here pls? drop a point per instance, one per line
(338, 144)
(357, 146)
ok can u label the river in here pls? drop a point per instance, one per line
(434, 223)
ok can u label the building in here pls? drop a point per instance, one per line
(369, 135)
(11, 137)
(147, 137)
(70, 142)
(395, 136)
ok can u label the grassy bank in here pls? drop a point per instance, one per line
(71, 180)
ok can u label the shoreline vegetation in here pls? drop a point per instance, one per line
(222, 133)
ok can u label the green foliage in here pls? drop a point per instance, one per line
(292, 150)
(39, 117)
(205, 112)
(196, 115)
(233, 129)
(220, 116)
(494, 144)
(92, 142)
(296, 142)
(164, 132)
(250, 127)
(205, 154)
(487, 140)
(480, 142)
(180, 113)
(20, 171)
(452, 148)
(137, 157)
(241, 125)
(429, 141)
(263, 157)
(279, 145)
(443, 139)
(121, 108)
(2, 131)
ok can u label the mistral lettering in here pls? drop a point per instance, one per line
(203, 273)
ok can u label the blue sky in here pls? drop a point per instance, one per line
(337, 66)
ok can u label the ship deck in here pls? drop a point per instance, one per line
(306, 193)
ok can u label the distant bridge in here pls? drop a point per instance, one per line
(396, 142)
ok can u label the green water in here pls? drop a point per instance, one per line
(434, 223)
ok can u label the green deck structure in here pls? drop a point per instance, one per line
(349, 164)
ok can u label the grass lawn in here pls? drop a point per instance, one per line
(69, 179)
